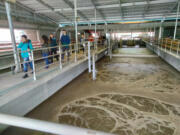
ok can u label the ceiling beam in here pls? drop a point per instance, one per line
(98, 10)
(70, 4)
(146, 9)
(33, 12)
(120, 9)
(51, 8)
(171, 9)
(109, 6)
(154, 17)
(127, 27)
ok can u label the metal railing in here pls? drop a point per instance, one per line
(47, 127)
(166, 44)
(70, 55)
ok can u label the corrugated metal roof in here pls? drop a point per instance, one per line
(61, 11)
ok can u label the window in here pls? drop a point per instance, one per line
(5, 36)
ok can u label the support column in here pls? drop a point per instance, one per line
(11, 27)
(76, 31)
(177, 16)
(161, 30)
(95, 29)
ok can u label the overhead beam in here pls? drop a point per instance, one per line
(154, 17)
(127, 27)
(98, 10)
(52, 9)
(33, 12)
(70, 4)
(120, 9)
(146, 8)
(110, 6)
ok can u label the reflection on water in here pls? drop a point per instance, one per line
(121, 114)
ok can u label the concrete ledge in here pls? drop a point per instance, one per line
(171, 59)
(21, 101)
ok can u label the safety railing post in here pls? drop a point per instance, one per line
(71, 49)
(60, 58)
(94, 66)
(171, 46)
(109, 48)
(84, 48)
(33, 63)
(89, 56)
(75, 54)
(178, 48)
(166, 45)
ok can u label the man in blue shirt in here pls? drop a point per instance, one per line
(24, 45)
(65, 41)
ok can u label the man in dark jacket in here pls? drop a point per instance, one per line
(53, 43)
(65, 41)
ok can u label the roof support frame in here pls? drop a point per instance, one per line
(146, 8)
(49, 7)
(120, 9)
(98, 10)
(72, 8)
(109, 6)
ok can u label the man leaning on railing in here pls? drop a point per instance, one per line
(24, 45)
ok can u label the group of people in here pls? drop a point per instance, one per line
(49, 50)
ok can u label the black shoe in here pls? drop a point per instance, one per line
(25, 76)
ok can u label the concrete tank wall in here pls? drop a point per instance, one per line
(169, 58)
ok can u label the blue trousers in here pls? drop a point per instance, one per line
(26, 62)
(45, 56)
(64, 49)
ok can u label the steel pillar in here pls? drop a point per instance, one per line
(161, 30)
(11, 27)
(175, 29)
(76, 31)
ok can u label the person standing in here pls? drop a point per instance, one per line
(53, 43)
(65, 41)
(26, 45)
(82, 40)
(45, 49)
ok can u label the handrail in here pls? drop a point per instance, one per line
(167, 44)
(47, 127)
(59, 54)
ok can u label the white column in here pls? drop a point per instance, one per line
(177, 16)
(11, 27)
(94, 66)
(95, 30)
(161, 30)
(76, 31)
(89, 56)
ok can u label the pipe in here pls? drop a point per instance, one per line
(94, 66)
(175, 30)
(45, 126)
(76, 31)
(11, 27)
(89, 56)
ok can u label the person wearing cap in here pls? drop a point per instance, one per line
(24, 45)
